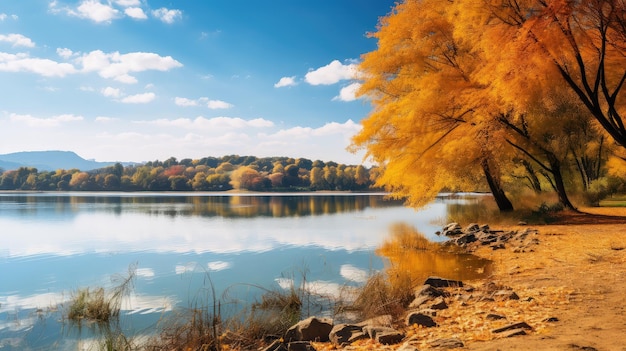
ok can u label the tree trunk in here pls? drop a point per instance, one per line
(504, 204)
(555, 165)
(535, 184)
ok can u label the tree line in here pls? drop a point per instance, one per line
(205, 174)
(497, 94)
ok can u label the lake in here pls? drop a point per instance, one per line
(176, 245)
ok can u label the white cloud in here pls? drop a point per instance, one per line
(17, 40)
(286, 82)
(218, 104)
(4, 16)
(331, 73)
(180, 101)
(135, 12)
(23, 63)
(167, 15)
(95, 11)
(128, 3)
(104, 119)
(202, 123)
(111, 92)
(118, 66)
(348, 93)
(139, 98)
(65, 53)
(54, 121)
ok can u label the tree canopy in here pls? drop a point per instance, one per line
(466, 93)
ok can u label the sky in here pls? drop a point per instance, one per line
(145, 80)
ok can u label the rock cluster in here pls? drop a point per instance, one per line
(429, 299)
(474, 236)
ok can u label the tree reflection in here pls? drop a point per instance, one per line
(411, 258)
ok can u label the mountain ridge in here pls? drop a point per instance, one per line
(50, 160)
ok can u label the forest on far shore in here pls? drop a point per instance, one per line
(205, 174)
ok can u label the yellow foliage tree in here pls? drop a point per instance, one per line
(426, 130)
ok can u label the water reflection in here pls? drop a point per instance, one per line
(190, 204)
(411, 258)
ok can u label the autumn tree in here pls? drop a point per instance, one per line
(425, 130)
(581, 44)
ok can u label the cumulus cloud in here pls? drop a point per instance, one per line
(218, 104)
(331, 73)
(38, 122)
(95, 10)
(139, 98)
(135, 12)
(181, 101)
(44, 67)
(286, 82)
(65, 53)
(4, 16)
(118, 66)
(348, 93)
(17, 40)
(167, 15)
(111, 92)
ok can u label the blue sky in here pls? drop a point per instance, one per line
(140, 80)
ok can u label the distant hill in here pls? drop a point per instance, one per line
(49, 161)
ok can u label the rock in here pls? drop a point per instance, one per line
(494, 317)
(450, 343)
(426, 293)
(514, 332)
(521, 223)
(300, 346)
(505, 295)
(439, 304)
(484, 228)
(384, 335)
(452, 229)
(419, 300)
(429, 290)
(551, 319)
(344, 334)
(310, 329)
(473, 227)
(465, 239)
(442, 282)
(420, 318)
(520, 325)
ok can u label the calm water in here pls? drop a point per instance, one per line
(55, 243)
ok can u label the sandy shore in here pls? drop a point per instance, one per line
(571, 288)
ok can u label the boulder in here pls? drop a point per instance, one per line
(384, 335)
(438, 282)
(420, 318)
(310, 329)
(345, 334)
